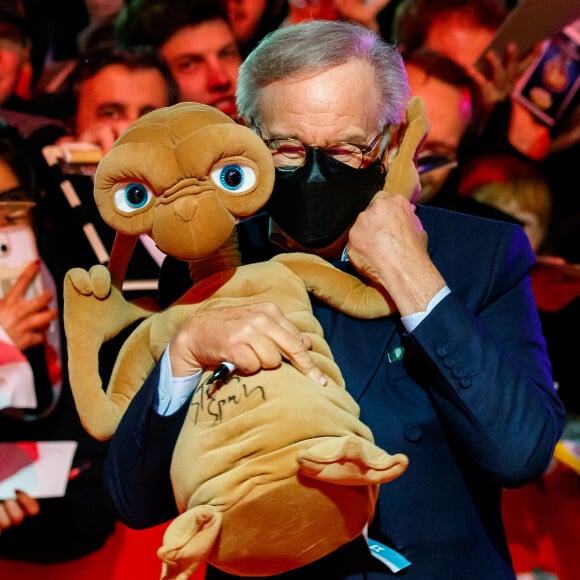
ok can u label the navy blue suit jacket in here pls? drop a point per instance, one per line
(468, 397)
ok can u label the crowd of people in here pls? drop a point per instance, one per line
(482, 394)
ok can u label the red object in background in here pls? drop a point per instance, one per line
(542, 521)
(127, 554)
(14, 457)
(304, 10)
(555, 283)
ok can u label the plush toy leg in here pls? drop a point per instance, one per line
(351, 461)
(188, 541)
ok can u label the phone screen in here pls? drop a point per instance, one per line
(17, 250)
(550, 84)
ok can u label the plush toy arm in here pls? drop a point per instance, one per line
(336, 288)
(94, 312)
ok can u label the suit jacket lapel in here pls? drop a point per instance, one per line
(362, 351)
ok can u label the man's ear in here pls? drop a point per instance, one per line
(392, 149)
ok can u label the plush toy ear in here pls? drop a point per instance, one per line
(402, 175)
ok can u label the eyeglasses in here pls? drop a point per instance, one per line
(290, 154)
(15, 211)
(17, 194)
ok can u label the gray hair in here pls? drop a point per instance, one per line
(306, 48)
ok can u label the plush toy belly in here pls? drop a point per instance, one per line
(275, 472)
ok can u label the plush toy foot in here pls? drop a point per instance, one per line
(351, 461)
(188, 541)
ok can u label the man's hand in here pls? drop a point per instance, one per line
(504, 73)
(253, 337)
(103, 134)
(26, 321)
(388, 245)
(13, 511)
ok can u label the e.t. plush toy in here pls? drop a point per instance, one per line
(271, 471)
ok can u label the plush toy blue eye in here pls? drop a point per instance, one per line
(233, 177)
(132, 197)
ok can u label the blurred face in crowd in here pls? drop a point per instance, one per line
(118, 95)
(449, 110)
(14, 53)
(204, 60)
(458, 37)
(245, 16)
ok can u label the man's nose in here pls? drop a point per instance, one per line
(217, 73)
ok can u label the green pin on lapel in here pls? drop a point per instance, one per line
(395, 354)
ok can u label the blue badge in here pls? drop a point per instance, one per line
(394, 561)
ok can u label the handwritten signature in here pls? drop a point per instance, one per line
(214, 401)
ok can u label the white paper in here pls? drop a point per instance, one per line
(39, 468)
(16, 376)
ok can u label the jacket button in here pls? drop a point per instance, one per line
(458, 372)
(465, 382)
(449, 362)
(413, 433)
(441, 351)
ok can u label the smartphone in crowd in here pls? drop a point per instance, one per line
(17, 250)
(530, 22)
(551, 83)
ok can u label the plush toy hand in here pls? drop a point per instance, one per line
(402, 175)
(94, 312)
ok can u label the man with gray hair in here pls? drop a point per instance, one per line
(458, 378)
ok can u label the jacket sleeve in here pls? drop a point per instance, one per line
(137, 468)
(493, 385)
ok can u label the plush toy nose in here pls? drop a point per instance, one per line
(185, 209)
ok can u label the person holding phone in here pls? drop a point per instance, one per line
(462, 31)
(27, 290)
(31, 334)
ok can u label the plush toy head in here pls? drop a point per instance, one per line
(273, 447)
(188, 159)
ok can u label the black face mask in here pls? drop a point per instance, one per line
(319, 201)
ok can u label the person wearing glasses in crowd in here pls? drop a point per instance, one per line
(458, 378)
(31, 333)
